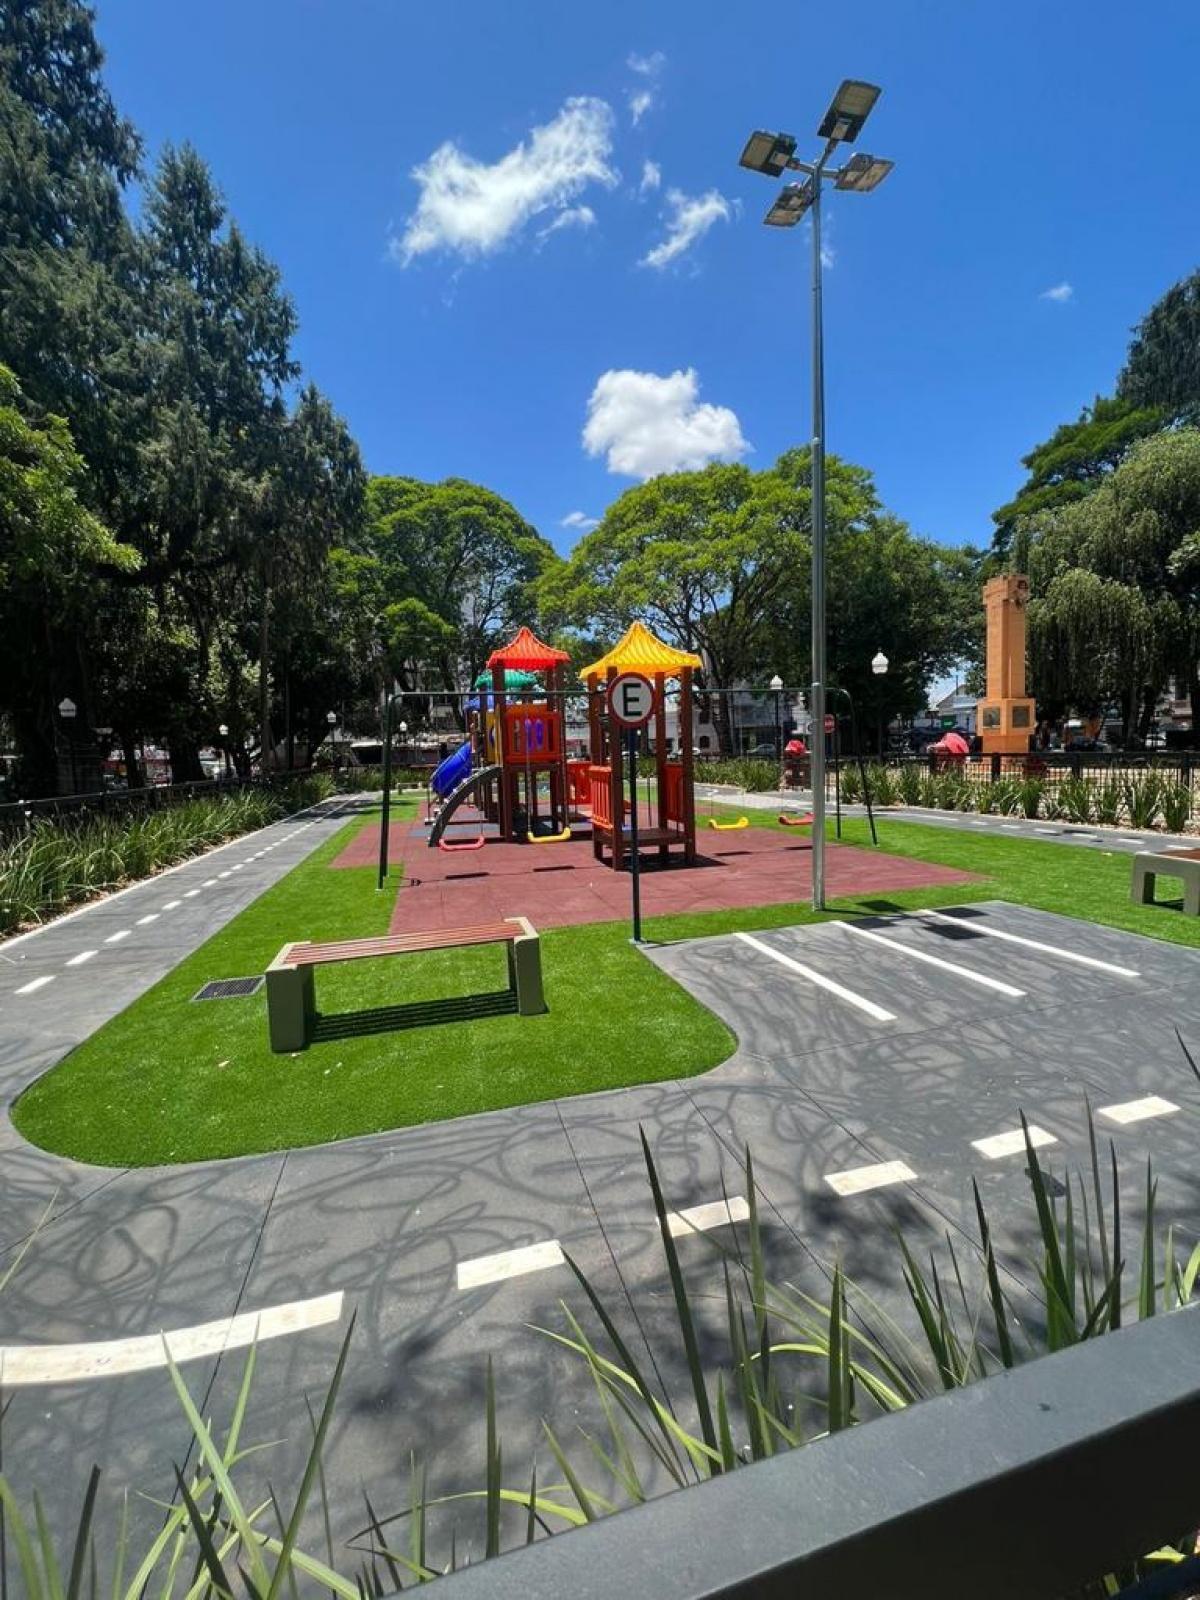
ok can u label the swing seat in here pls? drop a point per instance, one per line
(729, 827)
(548, 838)
(786, 821)
(469, 844)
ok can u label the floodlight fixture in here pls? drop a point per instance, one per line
(850, 108)
(331, 718)
(792, 201)
(223, 730)
(66, 709)
(862, 173)
(768, 153)
(879, 663)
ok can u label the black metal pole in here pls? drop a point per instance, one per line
(862, 771)
(634, 863)
(384, 827)
(837, 774)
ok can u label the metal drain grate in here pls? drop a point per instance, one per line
(228, 988)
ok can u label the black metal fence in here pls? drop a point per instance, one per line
(1034, 1483)
(20, 814)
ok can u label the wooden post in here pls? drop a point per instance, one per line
(688, 797)
(617, 788)
(505, 792)
(660, 758)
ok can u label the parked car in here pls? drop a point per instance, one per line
(763, 752)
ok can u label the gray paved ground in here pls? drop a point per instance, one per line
(817, 1087)
(1126, 840)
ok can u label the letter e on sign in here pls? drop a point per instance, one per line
(631, 699)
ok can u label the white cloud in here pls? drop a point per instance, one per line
(644, 424)
(473, 208)
(689, 218)
(573, 217)
(1060, 293)
(651, 177)
(579, 522)
(649, 69)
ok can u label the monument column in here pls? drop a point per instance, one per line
(1005, 716)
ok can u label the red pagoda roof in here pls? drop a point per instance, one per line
(527, 651)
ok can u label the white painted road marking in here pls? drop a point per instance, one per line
(936, 961)
(151, 916)
(84, 955)
(171, 904)
(190, 893)
(1151, 1105)
(121, 933)
(35, 984)
(208, 883)
(1007, 1144)
(716, 1214)
(856, 1180)
(1035, 944)
(74, 1363)
(222, 874)
(237, 867)
(509, 1264)
(822, 982)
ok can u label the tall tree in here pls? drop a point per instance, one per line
(1163, 366)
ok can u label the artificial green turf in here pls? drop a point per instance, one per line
(171, 1081)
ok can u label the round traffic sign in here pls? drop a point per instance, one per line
(631, 699)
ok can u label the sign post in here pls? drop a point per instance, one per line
(631, 702)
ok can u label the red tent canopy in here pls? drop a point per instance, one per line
(527, 652)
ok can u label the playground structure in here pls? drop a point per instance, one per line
(674, 790)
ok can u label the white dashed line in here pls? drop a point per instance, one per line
(237, 867)
(224, 874)
(188, 895)
(509, 1264)
(151, 916)
(1008, 1144)
(1131, 841)
(110, 1358)
(1047, 830)
(1035, 944)
(208, 883)
(171, 904)
(84, 955)
(860, 1002)
(1151, 1105)
(35, 984)
(121, 933)
(716, 1214)
(1011, 827)
(936, 961)
(857, 1180)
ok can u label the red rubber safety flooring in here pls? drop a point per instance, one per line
(555, 885)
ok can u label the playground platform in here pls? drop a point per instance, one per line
(559, 885)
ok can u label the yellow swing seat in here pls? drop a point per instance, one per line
(549, 838)
(728, 827)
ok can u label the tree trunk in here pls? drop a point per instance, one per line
(1193, 689)
(266, 746)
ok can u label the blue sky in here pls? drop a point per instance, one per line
(1038, 148)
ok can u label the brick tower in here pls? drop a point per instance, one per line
(1006, 713)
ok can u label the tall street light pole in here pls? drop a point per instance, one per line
(774, 154)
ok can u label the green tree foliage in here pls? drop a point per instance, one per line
(1162, 369)
(1074, 461)
(1116, 585)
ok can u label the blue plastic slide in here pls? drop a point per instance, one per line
(451, 772)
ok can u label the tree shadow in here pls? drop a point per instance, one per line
(413, 1014)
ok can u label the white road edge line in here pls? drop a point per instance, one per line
(1150, 1105)
(504, 1264)
(714, 1214)
(1036, 944)
(109, 1358)
(1008, 1144)
(84, 955)
(936, 961)
(819, 978)
(857, 1180)
(35, 984)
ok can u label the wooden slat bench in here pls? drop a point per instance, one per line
(1183, 864)
(291, 1006)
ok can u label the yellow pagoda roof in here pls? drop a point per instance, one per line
(639, 651)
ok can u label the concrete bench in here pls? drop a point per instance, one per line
(1183, 864)
(291, 1005)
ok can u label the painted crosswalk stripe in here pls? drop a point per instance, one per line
(1150, 1105)
(1036, 944)
(936, 961)
(35, 984)
(857, 1180)
(1008, 1144)
(504, 1264)
(121, 933)
(84, 955)
(715, 1214)
(22, 1365)
(860, 1002)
